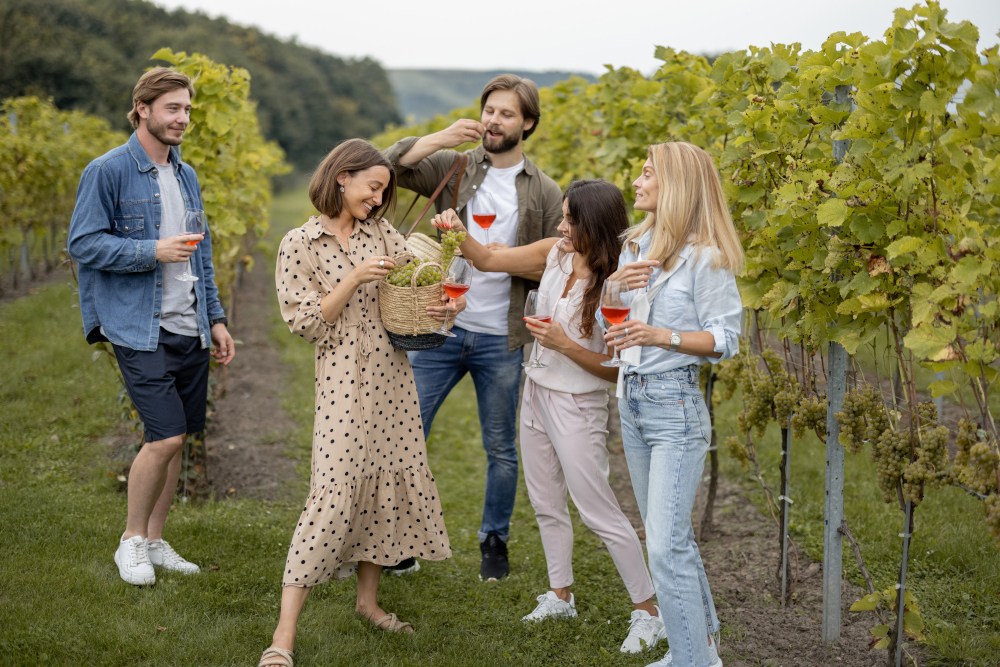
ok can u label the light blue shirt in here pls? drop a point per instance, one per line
(697, 297)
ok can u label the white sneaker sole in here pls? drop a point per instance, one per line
(550, 617)
(131, 578)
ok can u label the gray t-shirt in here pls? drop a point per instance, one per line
(178, 312)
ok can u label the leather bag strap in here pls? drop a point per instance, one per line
(459, 165)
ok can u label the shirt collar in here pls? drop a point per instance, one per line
(142, 158)
(480, 156)
(315, 229)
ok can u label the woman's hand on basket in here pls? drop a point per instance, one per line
(636, 274)
(448, 221)
(452, 308)
(374, 268)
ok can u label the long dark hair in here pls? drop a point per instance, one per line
(352, 156)
(597, 216)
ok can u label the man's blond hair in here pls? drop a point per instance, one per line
(152, 84)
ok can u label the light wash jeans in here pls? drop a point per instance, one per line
(496, 372)
(666, 433)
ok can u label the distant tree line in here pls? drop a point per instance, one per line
(87, 55)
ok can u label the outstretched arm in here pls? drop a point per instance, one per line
(521, 260)
(461, 131)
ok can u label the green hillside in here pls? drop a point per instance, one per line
(425, 93)
(87, 55)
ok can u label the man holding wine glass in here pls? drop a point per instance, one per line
(147, 286)
(510, 201)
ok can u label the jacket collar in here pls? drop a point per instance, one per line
(479, 155)
(315, 229)
(142, 160)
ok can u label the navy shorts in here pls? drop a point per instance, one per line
(168, 387)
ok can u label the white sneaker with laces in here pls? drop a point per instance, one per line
(644, 632)
(133, 563)
(550, 606)
(713, 648)
(163, 555)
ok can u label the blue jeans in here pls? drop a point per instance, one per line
(666, 432)
(496, 372)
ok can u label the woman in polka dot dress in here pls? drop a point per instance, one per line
(373, 500)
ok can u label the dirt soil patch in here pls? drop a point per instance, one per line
(246, 437)
(741, 559)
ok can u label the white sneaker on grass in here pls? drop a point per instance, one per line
(550, 606)
(133, 563)
(163, 555)
(644, 632)
(713, 649)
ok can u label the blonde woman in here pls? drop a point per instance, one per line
(681, 263)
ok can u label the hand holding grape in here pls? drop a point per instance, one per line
(448, 220)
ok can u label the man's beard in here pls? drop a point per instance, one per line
(502, 145)
(159, 130)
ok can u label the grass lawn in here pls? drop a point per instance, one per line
(62, 602)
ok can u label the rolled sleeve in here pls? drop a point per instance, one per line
(719, 307)
(300, 294)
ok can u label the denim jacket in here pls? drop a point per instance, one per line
(113, 234)
(696, 297)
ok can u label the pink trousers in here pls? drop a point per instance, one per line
(563, 447)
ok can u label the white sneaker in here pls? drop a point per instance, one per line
(163, 555)
(713, 649)
(644, 631)
(133, 561)
(550, 606)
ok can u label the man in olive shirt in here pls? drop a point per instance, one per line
(490, 332)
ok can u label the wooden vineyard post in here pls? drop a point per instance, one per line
(705, 527)
(833, 511)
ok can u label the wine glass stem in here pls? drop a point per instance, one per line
(447, 313)
(189, 267)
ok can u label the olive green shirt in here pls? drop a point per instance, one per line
(539, 208)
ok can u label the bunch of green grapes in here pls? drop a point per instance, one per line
(449, 244)
(928, 413)
(932, 455)
(851, 418)
(403, 273)
(757, 400)
(875, 415)
(728, 375)
(737, 449)
(809, 414)
(966, 438)
(892, 456)
(991, 506)
(785, 402)
(983, 463)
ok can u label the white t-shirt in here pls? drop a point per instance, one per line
(488, 300)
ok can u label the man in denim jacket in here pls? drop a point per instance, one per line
(128, 236)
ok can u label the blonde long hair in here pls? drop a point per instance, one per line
(691, 208)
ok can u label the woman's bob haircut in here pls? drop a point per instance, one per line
(351, 156)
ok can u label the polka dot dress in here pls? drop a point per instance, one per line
(372, 496)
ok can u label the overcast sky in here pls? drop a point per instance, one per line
(556, 34)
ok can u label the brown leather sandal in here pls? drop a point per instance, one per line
(390, 623)
(276, 657)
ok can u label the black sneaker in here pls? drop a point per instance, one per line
(494, 565)
(405, 566)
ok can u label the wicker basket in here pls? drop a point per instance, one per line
(404, 311)
(424, 247)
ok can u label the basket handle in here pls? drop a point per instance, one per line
(413, 278)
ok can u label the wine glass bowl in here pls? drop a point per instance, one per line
(538, 306)
(457, 281)
(194, 223)
(484, 212)
(615, 309)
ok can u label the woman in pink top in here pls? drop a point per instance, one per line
(564, 409)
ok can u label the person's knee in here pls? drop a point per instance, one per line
(167, 448)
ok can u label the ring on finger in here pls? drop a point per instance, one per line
(381, 264)
(626, 332)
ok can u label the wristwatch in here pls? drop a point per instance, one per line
(675, 341)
